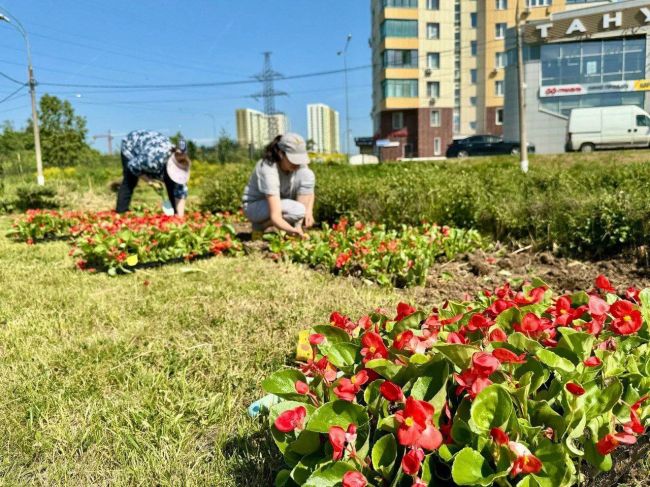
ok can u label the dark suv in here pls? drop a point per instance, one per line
(484, 145)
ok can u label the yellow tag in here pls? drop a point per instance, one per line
(132, 260)
(303, 350)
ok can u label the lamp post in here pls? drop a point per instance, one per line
(40, 179)
(344, 53)
(521, 90)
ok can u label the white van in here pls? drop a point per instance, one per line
(608, 127)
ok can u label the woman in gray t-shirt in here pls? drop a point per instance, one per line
(280, 191)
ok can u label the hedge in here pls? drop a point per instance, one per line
(593, 207)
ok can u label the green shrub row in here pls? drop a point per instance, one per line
(591, 206)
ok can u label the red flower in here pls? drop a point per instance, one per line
(498, 335)
(417, 482)
(525, 462)
(316, 338)
(340, 439)
(404, 310)
(291, 419)
(505, 356)
(499, 436)
(354, 479)
(454, 337)
(610, 442)
(469, 380)
(484, 363)
(342, 259)
(301, 387)
(391, 392)
(416, 425)
(343, 322)
(627, 320)
(529, 324)
(592, 362)
(478, 321)
(575, 389)
(534, 296)
(597, 306)
(632, 294)
(603, 284)
(321, 368)
(347, 389)
(412, 461)
(403, 340)
(373, 347)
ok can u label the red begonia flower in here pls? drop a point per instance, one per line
(609, 442)
(505, 356)
(575, 389)
(478, 321)
(632, 294)
(354, 479)
(627, 319)
(597, 306)
(533, 297)
(403, 340)
(373, 347)
(603, 284)
(592, 362)
(301, 387)
(417, 482)
(498, 335)
(347, 389)
(291, 419)
(412, 461)
(525, 462)
(484, 363)
(455, 337)
(499, 436)
(391, 391)
(529, 324)
(416, 425)
(340, 439)
(404, 310)
(316, 338)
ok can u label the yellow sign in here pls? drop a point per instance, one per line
(642, 85)
(303, 350)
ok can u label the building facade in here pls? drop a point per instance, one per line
(253, 127)
(439, 69)
(590, 57)
(323, 129)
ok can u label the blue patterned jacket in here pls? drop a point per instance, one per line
(147, 153)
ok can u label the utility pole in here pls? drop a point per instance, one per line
(109, 137)
(523, 136)
(40, 178)
(268, 94)
(344, 53)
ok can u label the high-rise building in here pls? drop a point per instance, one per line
(439, 69)
(323, 128)
(253, 127)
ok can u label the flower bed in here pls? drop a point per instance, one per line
(514, 388)
(389, 257)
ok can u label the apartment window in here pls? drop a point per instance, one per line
(474, 20)
(499, 88)
(433, 4)
(501, 60)
(435, 118)
(400, 88)
(399, 28)
(540, 3)
(433, 60)
(499, 116)
(472, 125)
(502, 4)
(401, 3)
(437, 146)
(472, 101)
(433, 89)
(433, 30)
(500, 31)
(474, 48)
(473, 76)
(398, 120)
(400, 58)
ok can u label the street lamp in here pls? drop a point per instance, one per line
(40, 179)
(344, 53)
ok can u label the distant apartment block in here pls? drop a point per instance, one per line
(253, 127)
(323, 128)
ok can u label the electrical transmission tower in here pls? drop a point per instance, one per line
(268, 94)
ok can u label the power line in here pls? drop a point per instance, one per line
(13, 93)
(6, 76)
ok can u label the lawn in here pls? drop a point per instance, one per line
(145, 379)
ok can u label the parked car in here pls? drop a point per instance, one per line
(484, 145)
(608, 127)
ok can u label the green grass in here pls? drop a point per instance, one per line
(106, 381)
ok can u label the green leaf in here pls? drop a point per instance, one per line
(523, 343)
(554, 361)
(282, 478)
(329, 475)
(558, 469)
(599, 401)
(385, 368)
(432, 386)
(471, 468)
(542, 414)
(337, 413)
(384, 454)
(602, 463)
(283, 384)
(460, 355)
(492, 408)
(342, 354)
(581, 344)
(332, 333)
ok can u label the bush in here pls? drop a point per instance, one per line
(512, 388)
(32, 196)
(590, 207)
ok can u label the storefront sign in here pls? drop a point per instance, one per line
(587, 25)
(595, 88)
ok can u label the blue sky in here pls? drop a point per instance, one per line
(126, 42)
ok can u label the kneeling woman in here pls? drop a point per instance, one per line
(280, 192)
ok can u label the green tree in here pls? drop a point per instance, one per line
(12, 140)
(229, 150)
(63, 134)
(192, 150)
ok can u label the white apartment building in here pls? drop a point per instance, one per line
(253, 127)
(323, 128)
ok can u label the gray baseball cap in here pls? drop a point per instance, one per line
(294, 146)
